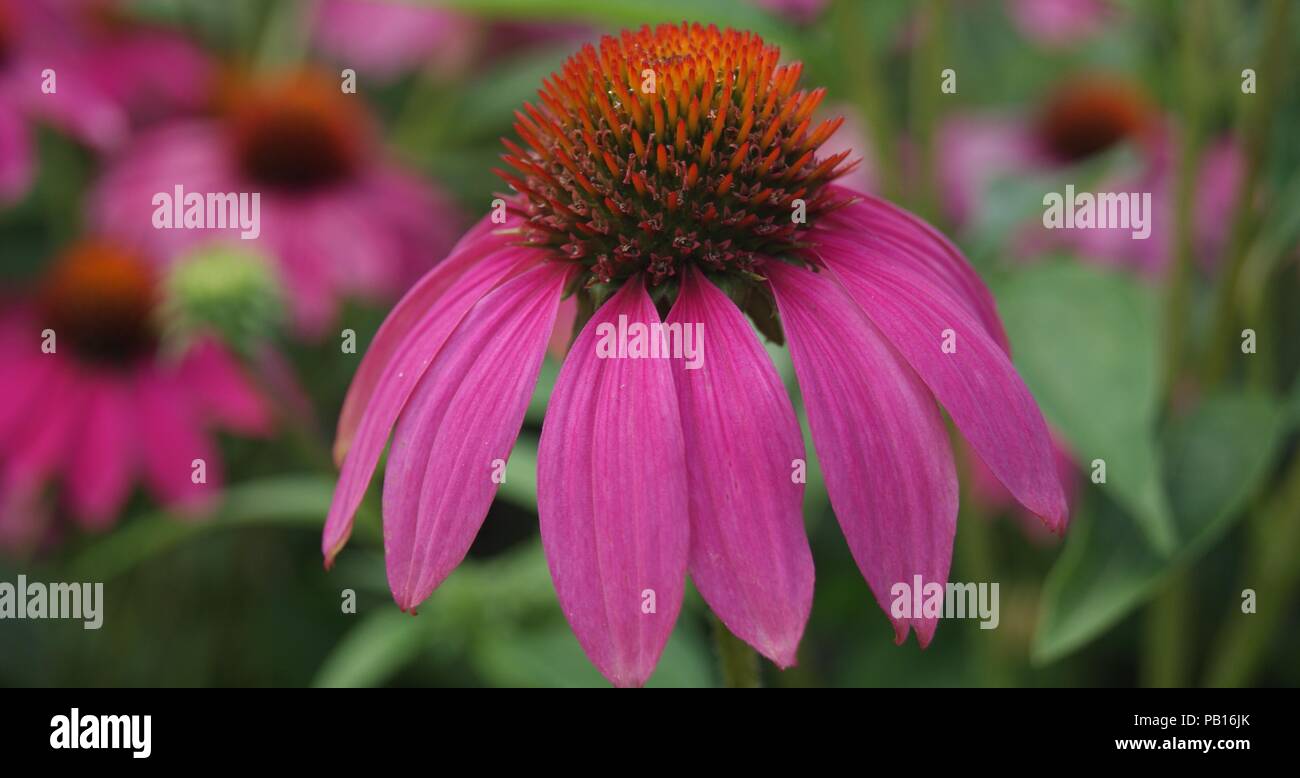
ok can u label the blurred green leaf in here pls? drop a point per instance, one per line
(553, 658)
(1217, 458)
(1084, 339)
(375, 650)
(290, 500)
(520, 487)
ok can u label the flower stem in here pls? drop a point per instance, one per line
(739, 662)
(1273, 573)
(1164, 656)
(1255, 125)
(859, 58)
(924, 101)
(1178, 286)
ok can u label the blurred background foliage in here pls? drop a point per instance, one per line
(1201, 500)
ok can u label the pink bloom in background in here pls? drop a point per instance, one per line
(105, 71)
(337, 218)
(798, 11)
(1057, 23)
(98, 405)
(1083, 118)
(383, 39)
(650, 470)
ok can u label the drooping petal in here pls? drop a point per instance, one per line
(749, 552)
(174, 451)
(398, 379)
(976, 382)
(611, 495)
(879, 436)
(223, 390)
(410, 310)
(458, 428)
(99, 469)
(877, 223)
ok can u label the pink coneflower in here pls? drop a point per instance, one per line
(83, 68)
(1058, 23)
(675, 207)
(88, 400)
(337, 218)
(383, 38)
(1083, 117)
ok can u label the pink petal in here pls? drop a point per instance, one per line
(224, 390)
(977, 383)
(749, 553)
(880, 439)
(611, 495)
(99, 468)
(876, 223)
(24, 380)
(46, 430)
(410, 310)
(459, 427)
(398, 380)
(171, 442)
(563, 332)
(385, 38)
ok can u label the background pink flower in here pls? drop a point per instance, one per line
(87, 400)
(105, 71)
(337, 217)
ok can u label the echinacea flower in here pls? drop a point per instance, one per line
(336, 217)
(1059, 23)
(677, 205)
(1085, 116)
(384, 38)
(85, 68)
(88, 398)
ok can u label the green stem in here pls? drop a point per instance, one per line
(1165, 660)
(923, 102)
(849, 28)
(738, 662)
(1273, 572)
(1255, 124)
(1178, 299)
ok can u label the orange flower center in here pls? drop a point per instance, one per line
(100, 299)
(297, 133)
(1091, 114)
(668, 146)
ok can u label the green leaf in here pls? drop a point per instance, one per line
(520, 486)
(290, 500)
(551, 657)
(1216, 460)
(1084, 339)
(373, 651)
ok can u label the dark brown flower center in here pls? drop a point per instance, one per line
(99, 300)
(668, 146)
(1091, 114)
(297, 134)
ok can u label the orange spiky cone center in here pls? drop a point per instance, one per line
(682, 144)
